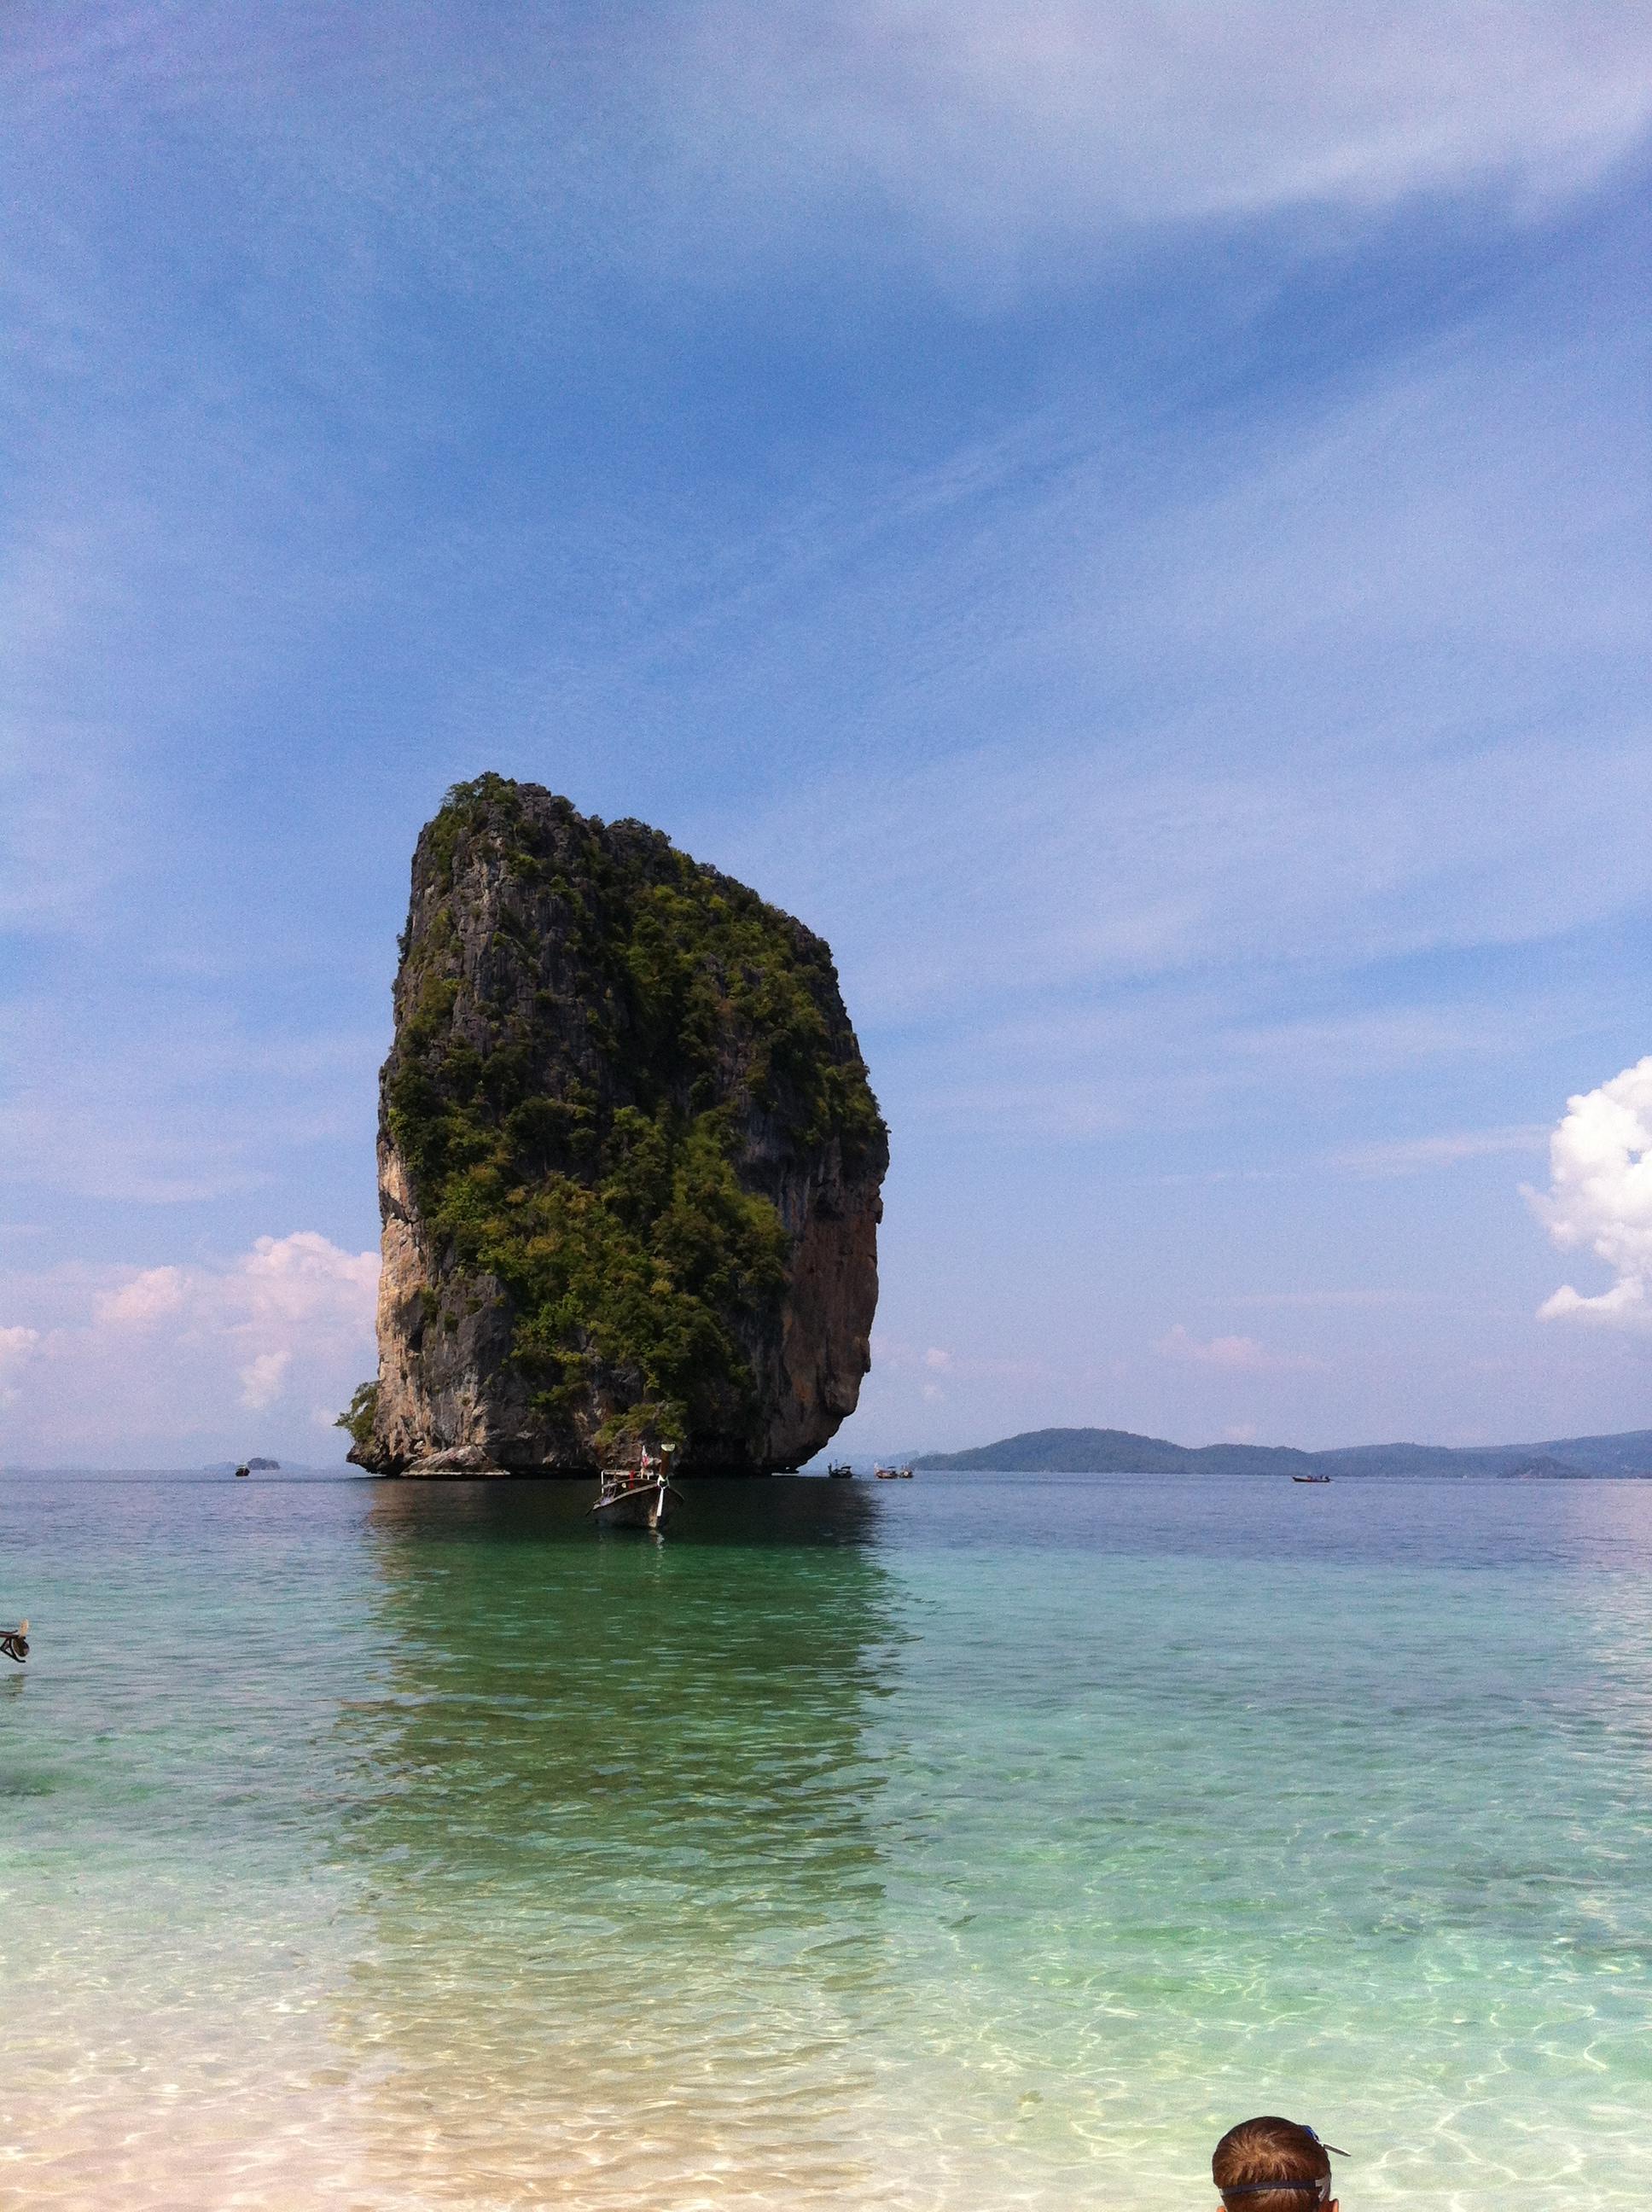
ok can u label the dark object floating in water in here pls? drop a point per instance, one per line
(892, 1474)
(241, 1474)
(638, 1497)
(840, 1471)
(1310, 1477)
(13, 1642)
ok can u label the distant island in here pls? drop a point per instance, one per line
(1117, 1451)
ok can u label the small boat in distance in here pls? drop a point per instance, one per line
(840, 1471)
(1310, 1477)
(243, 1474)
(892, 1474)
(638, 1497)
(13, 1642)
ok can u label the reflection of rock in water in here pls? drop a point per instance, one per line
(622, 1836)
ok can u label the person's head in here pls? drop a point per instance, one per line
(1271, 2164)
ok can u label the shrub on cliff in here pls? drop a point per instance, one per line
(575, 1096)
(358, 1418)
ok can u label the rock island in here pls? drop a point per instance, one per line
(629, 1160)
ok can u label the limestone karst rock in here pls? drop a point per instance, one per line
(629, 1159)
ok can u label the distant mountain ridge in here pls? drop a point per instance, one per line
(1117, 1451)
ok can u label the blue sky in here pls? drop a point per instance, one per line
(1132, 521)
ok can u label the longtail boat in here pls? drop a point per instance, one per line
(13, 1642)
(640, 1496)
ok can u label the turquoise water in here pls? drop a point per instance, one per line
(978, 1841)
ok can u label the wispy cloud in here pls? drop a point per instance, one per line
(1421, 1155)
(970, 139)
(1329, 1300)
(891, 1355)
(1173, 1058)
(996, 128)
(168, 1096)
(1240, 718)
(1233, 1355)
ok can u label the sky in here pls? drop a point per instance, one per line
(1131, 521)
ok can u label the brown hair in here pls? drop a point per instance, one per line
(1270, 2149)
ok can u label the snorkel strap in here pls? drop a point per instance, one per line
(1319, 2189)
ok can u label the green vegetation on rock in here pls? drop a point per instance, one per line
(359, 1416)
(573, 1094)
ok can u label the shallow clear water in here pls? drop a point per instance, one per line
(973, 1841)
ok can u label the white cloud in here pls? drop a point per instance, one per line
(146, 1298)
(1234, 1355)
(938, 1358)
(127, 1364)
(302, 1276)
(15, 1345)
(1601, 1197)
(262, 1381)
(283, 1284)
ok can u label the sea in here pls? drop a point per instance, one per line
(979, 1841)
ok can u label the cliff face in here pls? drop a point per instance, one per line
(629, 1158)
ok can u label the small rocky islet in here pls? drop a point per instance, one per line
(629, 1160)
